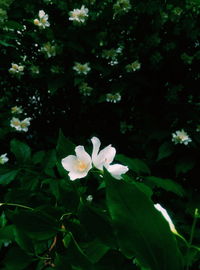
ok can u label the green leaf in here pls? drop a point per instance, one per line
(35, 224)
(95, 250)
(64, 146)
(141, 230)
(76, 256)
(166, 184)
(96, 223)
(135, 164)
(165, 150)
(184, 165)
(38, 157)
(16, 259)
(21, 150)
(7, 177)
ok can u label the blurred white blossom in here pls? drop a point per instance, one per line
(180, 136)
(85, 89)
(136, 65)
(20, 125)
(3, 158)
(114, 98)
(16, 69)
(81, 68)
(49, 49)
(42, 22)
(79, 15)
(16, 110)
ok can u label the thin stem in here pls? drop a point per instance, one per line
(16, 205)
(191, 236)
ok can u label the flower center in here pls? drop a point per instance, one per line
(81, 166)
(16, 123)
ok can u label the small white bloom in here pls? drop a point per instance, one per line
(49, 49)
(105, 157)
(20, 125)
(167, 217)
(136, 65)
(78, 166)
(79, 15)
(3, 158)
(89, 198)
(16, 110)
(81, 68)
(42, 22)
(16, 69)
(25, 124)
(113, 97)
(180, 136)
(15, 123)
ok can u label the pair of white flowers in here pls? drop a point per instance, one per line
(78, 166)
(20, 125)
(42, 22)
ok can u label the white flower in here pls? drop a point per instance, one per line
(113, 97)
(81, 68)
(105, 157)
(20, 125)
(180, 136)
(16, 69)
(167, 217)
(25, 124)
(16, 110)
(136, 65)
(49, 49)
(42, 22)
(15, 123)
(3, 158)
(79, 15)
(78, 166)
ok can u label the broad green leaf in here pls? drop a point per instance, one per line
(7, 177)
(134, 164)
(38, 157)
(184, 165)
(7, 233)
(165, 150)
(95, 250)
(166, 184)
(64, 146)
(141, 230)
(21, 150)
(96, 223)
(16, 259)
(35, 224)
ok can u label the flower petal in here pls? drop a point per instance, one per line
(106, 156)
(96, 145)
(82, 155)
(73, 175)
(116, 170)
(69, 162)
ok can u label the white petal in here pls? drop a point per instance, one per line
(41, 13)
(96, 145)
(106, 156)
(116, 170)
(82, 155)
(73, 175)
(69, 162)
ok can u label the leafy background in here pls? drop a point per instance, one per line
(60, 229)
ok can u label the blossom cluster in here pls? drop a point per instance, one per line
(20, 125)
(78, 166)
(79, 15)
(181, 137)
(114, 98)
(42, 22)
(81, 68)
(16, 69)
(136, 65)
